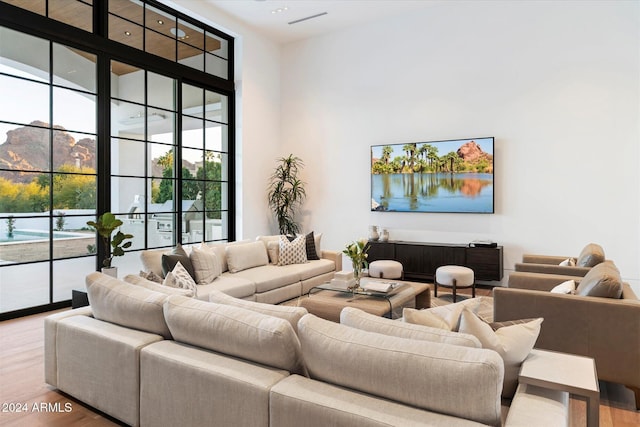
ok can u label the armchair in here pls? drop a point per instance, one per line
(605, 329)
(590, 256)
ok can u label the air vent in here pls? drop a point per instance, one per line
(307, 18)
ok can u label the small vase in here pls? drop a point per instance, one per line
(357, 274)
(373, 233)
(384, 237)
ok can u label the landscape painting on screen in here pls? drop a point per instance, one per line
(439, 176)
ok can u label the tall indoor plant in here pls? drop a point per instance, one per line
(287, 193)
(106, 224)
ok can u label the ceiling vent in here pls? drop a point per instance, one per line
(307, 18)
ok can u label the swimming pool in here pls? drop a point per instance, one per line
(34, 235)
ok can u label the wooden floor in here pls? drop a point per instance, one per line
(22, 386)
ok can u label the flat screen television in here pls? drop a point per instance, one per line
(453, 176)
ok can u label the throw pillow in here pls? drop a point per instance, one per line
(590, 256)
(273, 249)
(444, 317)
(158, 287)
(310, 244)
(567, 287)
(205, 264)
(247, 255)
(170, 260)
(292, 252)
(603, 280)
(151, 276)
(569, 262)
(180, 278)
(512, 343)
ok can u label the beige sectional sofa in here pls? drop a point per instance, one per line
(590, 256)
(247, 271)
(154, 359)
(606, 329)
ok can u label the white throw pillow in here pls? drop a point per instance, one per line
(513, 344)
(205, 263)
(248, 255)
(179, 277)
(444, 317)
(568, 287)
(569, 262)
(294, 252)
(273, 249)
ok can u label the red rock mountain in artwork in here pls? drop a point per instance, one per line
(27, 149)
(471, 152)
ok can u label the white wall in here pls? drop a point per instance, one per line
(257, 81)
(556, 83)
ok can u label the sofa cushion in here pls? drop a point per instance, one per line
(288, 313)
(122, 303)
(247, 255)
(293, 252)
(603, 280)
(432, 376)
(177, 254)
(229, 283)
(152, 261)
(206, 265)
(590, 256)
(513, 343)
(269, 277)
(443, 317)
(234, 331)
(158, 287)
(356, 318)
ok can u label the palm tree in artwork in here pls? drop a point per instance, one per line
(451, 158)
(411, 152)
(386, 154)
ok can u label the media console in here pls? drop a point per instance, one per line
(420, 260)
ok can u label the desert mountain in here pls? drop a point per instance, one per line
(27, 149)
(471, 152)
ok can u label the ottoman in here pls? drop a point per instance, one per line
(385, 269)
(454, 276)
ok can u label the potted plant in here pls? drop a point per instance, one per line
(106, 224)
(286, 193)
(357, 252)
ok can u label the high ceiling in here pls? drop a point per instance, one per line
(263, 15)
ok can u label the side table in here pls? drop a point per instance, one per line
(567, 372)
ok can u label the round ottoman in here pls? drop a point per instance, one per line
(454, 276)
(385, 269)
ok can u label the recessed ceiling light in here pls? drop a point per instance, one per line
(178, 32)
(160, 21)
(280, 9)
(127, 33)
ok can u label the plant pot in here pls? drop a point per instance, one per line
(110, 271)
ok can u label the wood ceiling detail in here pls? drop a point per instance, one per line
(130, 30)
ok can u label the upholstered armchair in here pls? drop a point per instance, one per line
(606, 329)
(590, 256)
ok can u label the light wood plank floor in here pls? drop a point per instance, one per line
(22, 381)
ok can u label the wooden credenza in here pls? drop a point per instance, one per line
(420, 260)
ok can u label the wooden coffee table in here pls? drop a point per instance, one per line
(327, 302)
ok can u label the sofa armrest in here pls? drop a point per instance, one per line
(334, 256)
(544, 259)
(605, 329)
(531, 267)
(537, 406)
(537, 281)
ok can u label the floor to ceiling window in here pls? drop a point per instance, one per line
(122, 106)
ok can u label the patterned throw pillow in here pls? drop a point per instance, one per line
(150, 275)
(310, 244)
(179, 277)
(294, 252)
